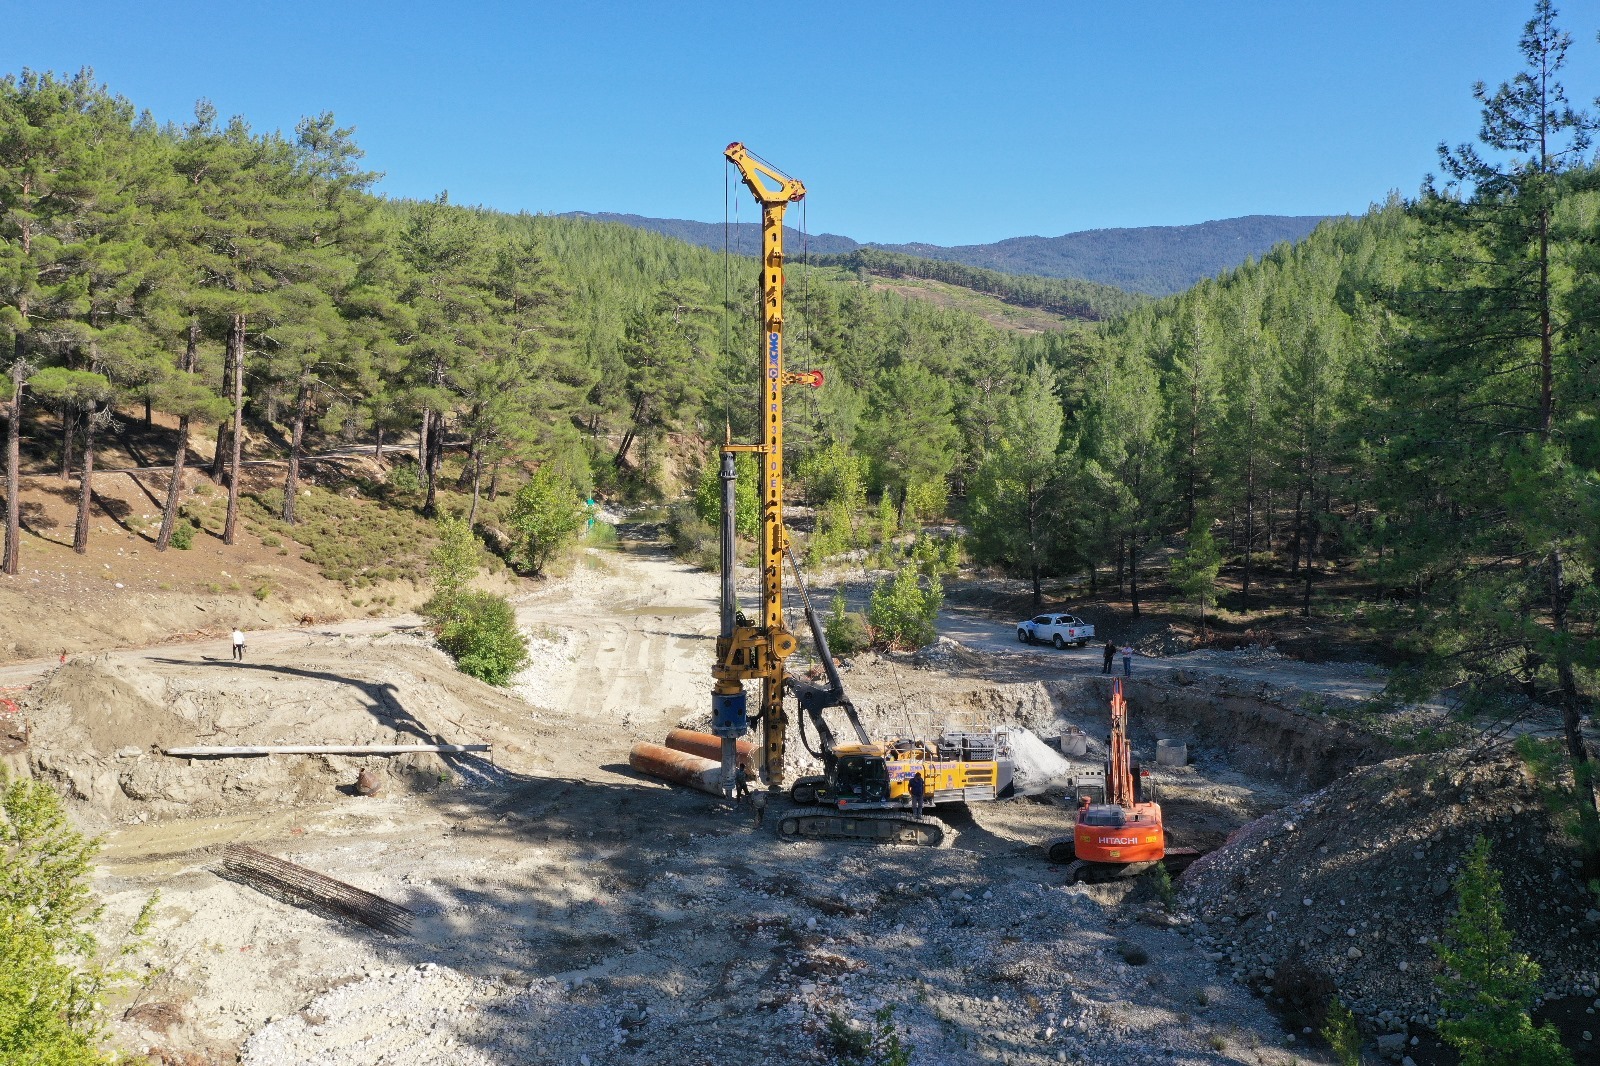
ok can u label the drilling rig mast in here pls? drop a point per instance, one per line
(750, 652)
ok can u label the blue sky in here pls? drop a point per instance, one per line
(941, 122)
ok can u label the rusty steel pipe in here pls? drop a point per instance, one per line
(709, 746)
(679, 767)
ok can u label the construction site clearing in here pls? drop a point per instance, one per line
(543, 902)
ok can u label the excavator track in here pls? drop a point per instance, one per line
(861, 828)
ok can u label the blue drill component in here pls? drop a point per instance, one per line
(728, 717)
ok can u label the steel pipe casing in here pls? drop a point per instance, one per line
(679, 767)
(708, 746)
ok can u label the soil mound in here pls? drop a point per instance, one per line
(1351, 888)
(101, 722)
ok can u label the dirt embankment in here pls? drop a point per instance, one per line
(1255, 728)
(99, 723)
(1349, 890)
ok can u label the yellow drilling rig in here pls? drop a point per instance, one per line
(863, 793)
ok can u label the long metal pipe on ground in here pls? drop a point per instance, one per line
(319, 749)
(709, 746)
(679, 767)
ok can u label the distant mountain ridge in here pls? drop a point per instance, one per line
(1155, 260)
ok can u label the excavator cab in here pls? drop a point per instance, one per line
(862, 779)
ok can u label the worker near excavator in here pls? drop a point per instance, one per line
(1111, 656)
(918, 788)
(741, 785)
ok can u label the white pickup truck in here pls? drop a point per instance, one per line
(1057, 629)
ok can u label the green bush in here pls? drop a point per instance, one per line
(479, 630)
(601, 535)
(936, 557)
(404, 480)
(901, 612)
(694, 540)
(545, 515)
(846, 630)
(1342, 1035)
(746, 496)
(52, 974)
(880, 1044)
(182, 535)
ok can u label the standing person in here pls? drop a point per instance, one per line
(741, 785)
(238, 645)
(1127, 660)
(918, 788)
(1111, 655)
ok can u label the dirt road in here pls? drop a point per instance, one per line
(981, 631)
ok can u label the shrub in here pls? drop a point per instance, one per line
(693, 539)
(480, 632)
(936, 557)
(902, 612)
(846, 630)
(52, 974)
(404, 480)
(746, 495)
(545, 514)
(877, 1045)
(601, 535)
(1485, 986)
(182, 535)
(1341, 1034)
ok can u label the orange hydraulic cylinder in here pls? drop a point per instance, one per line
(677, 766)
(709, 746)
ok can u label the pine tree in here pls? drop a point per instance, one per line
(910, 431)
(1484, 409)
(1194, 573)
(1486, 986)
(87, 396)
(1012, 510)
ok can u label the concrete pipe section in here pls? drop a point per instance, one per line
(1172, 753)
(709, 746)
(679, 767)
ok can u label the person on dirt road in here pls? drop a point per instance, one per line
(1111, 655)
(238, 646)
(1127, 660)
(918, 788)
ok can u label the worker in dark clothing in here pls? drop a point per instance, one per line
(1111, 655)
(917, 787)
(741, 785)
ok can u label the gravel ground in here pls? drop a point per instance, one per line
(1348, 890)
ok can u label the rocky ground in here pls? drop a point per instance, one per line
(570, 911)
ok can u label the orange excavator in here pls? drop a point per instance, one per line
(1121, 835)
